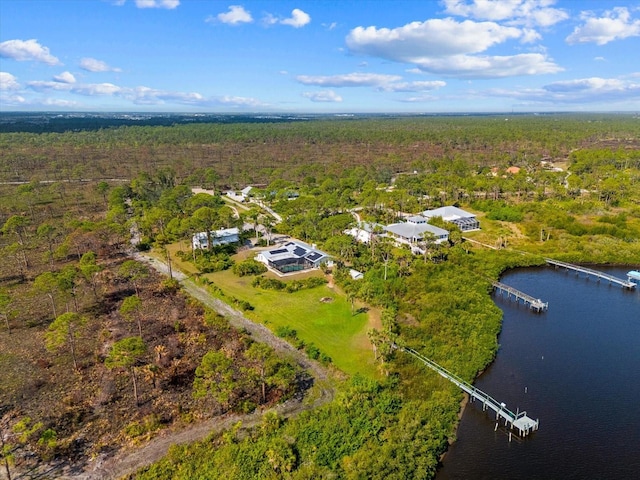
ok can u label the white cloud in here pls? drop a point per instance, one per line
(8, 82)
(615, 24)
(298, 19)
(25, 50)
(326, 96)
(593, 90)
(348, 80)
(151, 96)
(432, 38)
(41, 86)
(589, 84)
(65, 77)
(57, 102)
(234, 101)
(477, 66)
(424, 86)
(87, 89)
(93, 65)
(235, 16)
(516, 12)
(12, 100)
(94, 89)
(142, 95)
(419, 99)
(448, 47)
(168, 4)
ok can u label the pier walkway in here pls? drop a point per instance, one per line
(518, 420)
(534, 303)
(599, 275)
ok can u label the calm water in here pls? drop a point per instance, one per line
(576, 367)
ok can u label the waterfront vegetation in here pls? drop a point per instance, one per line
(107, 353)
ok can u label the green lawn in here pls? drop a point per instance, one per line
(330, 326)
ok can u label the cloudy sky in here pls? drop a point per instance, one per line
(320, 55)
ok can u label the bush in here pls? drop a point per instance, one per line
(249, 267)
(208, 262)
(268, 283)
(286, 332)
(243, 304)
(291, 335)
(312, 351)
(290, 287)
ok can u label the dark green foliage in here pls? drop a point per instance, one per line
(499, 210)
(212, 261)
(314, 352)
(249, 267)
(243, 304)
(369, 431)
(286, 332)
(289, 286)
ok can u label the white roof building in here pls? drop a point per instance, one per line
(355, 274)
(218, 237)
(415, 229)
(293, 256)
(363, 232)
(464, 220)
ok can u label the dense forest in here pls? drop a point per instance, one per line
(99, 353)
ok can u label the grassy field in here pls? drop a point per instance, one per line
(328, 324)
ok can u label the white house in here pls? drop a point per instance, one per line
(293, 256)
(355, 274)
(362, 232)
(218, 237)
(240, 197)
(415, 229)
(245, 192)
(464, 220)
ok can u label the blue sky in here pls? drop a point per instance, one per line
(320, 56)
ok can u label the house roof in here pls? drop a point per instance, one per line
(416, 219)
(415, 230)
(364, 226)
(294, 249)
(225, 232)
(448, 213)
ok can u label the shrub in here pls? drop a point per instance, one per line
(286, 331)
(213, 262)
(312, 351)
(249, 267)
(290, 287)
(268, 283)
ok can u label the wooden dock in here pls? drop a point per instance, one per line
(594, 273)
(519, 420)
(534, 303)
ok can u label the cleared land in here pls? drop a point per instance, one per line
(320, 315)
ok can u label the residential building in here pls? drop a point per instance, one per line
(355, 274)
(415, 230)
(293, 256)
(464, 220)
(218, 237)
(363, 231)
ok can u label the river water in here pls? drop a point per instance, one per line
(576, 367)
